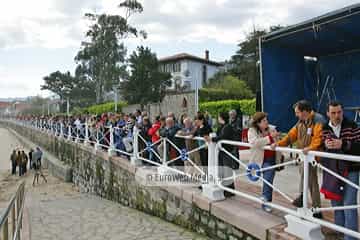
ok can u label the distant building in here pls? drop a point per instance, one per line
(187, 70)
(4, 106)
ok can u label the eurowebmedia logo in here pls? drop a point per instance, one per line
(179, 176)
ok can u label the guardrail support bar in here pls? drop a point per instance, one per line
(300, 227)
(210, 189)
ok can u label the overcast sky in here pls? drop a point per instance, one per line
(42, 36)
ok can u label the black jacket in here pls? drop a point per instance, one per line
(350, 136)
(333, 187)
(204, 131)
(226, 132)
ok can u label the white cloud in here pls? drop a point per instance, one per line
(59, 23)
(44, 23)
(170, 24)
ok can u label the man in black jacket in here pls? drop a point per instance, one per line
(342, 136)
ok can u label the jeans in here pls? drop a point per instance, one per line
(268, 175)
(348, 218)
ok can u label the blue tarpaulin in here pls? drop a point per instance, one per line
(317, 60)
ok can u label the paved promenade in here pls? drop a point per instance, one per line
(56, 210)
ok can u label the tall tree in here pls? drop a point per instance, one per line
(78, 89)
(146, 82)
(60, 84)
(246, 58)
(102, 57)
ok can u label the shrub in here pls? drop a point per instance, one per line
(247, 106)
(103, 108)
(225, 87)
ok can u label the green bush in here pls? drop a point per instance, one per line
(103, 108)
(247, 106)
(214, 94)
(225, 87)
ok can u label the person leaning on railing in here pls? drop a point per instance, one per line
(261, 134)
(341, 136)
(307, 135)
(188, 130)
(169, 131)
(202, 130)
(226, 132)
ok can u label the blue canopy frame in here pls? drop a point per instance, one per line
(317, 60)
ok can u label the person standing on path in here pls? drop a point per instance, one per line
(13, 159)
(19, 161)
(37, 155)
(307, 134)
(31, 158)
(24, 162)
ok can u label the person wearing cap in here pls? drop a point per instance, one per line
(261, 134)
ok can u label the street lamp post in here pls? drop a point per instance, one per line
(116, 99)
(67, 107)
(197, 94)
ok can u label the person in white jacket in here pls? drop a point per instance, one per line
(261, 134)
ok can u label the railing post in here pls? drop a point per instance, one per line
(13, 220)
(135, 156)
(69, 133)
(77, 129)
(210, 189)
(5, 235)
(298, 226)
(97, 145)
(111, 150)
(86, 142)
(61, 130)
(307, 159)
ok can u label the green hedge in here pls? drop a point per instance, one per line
(247, 106)
(217, 94)
(103, 108)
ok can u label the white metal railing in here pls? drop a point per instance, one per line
(305, 159)
(13, 215)
(106, 138)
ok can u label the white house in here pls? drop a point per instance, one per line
(188, 70)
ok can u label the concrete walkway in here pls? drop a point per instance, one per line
(56, 210)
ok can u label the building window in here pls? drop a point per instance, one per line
(204, 75)
(171, 67)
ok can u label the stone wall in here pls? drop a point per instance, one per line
(114, 178)
(171, 103)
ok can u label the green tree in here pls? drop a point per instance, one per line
(78, 89)
(146, 82)
(102, 58)
(246, 58)
(60, 84)
(228, 87)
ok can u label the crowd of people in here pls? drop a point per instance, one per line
(312, 132)
(20, 160)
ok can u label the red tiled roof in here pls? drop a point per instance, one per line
(4, 105)
(182, 56)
